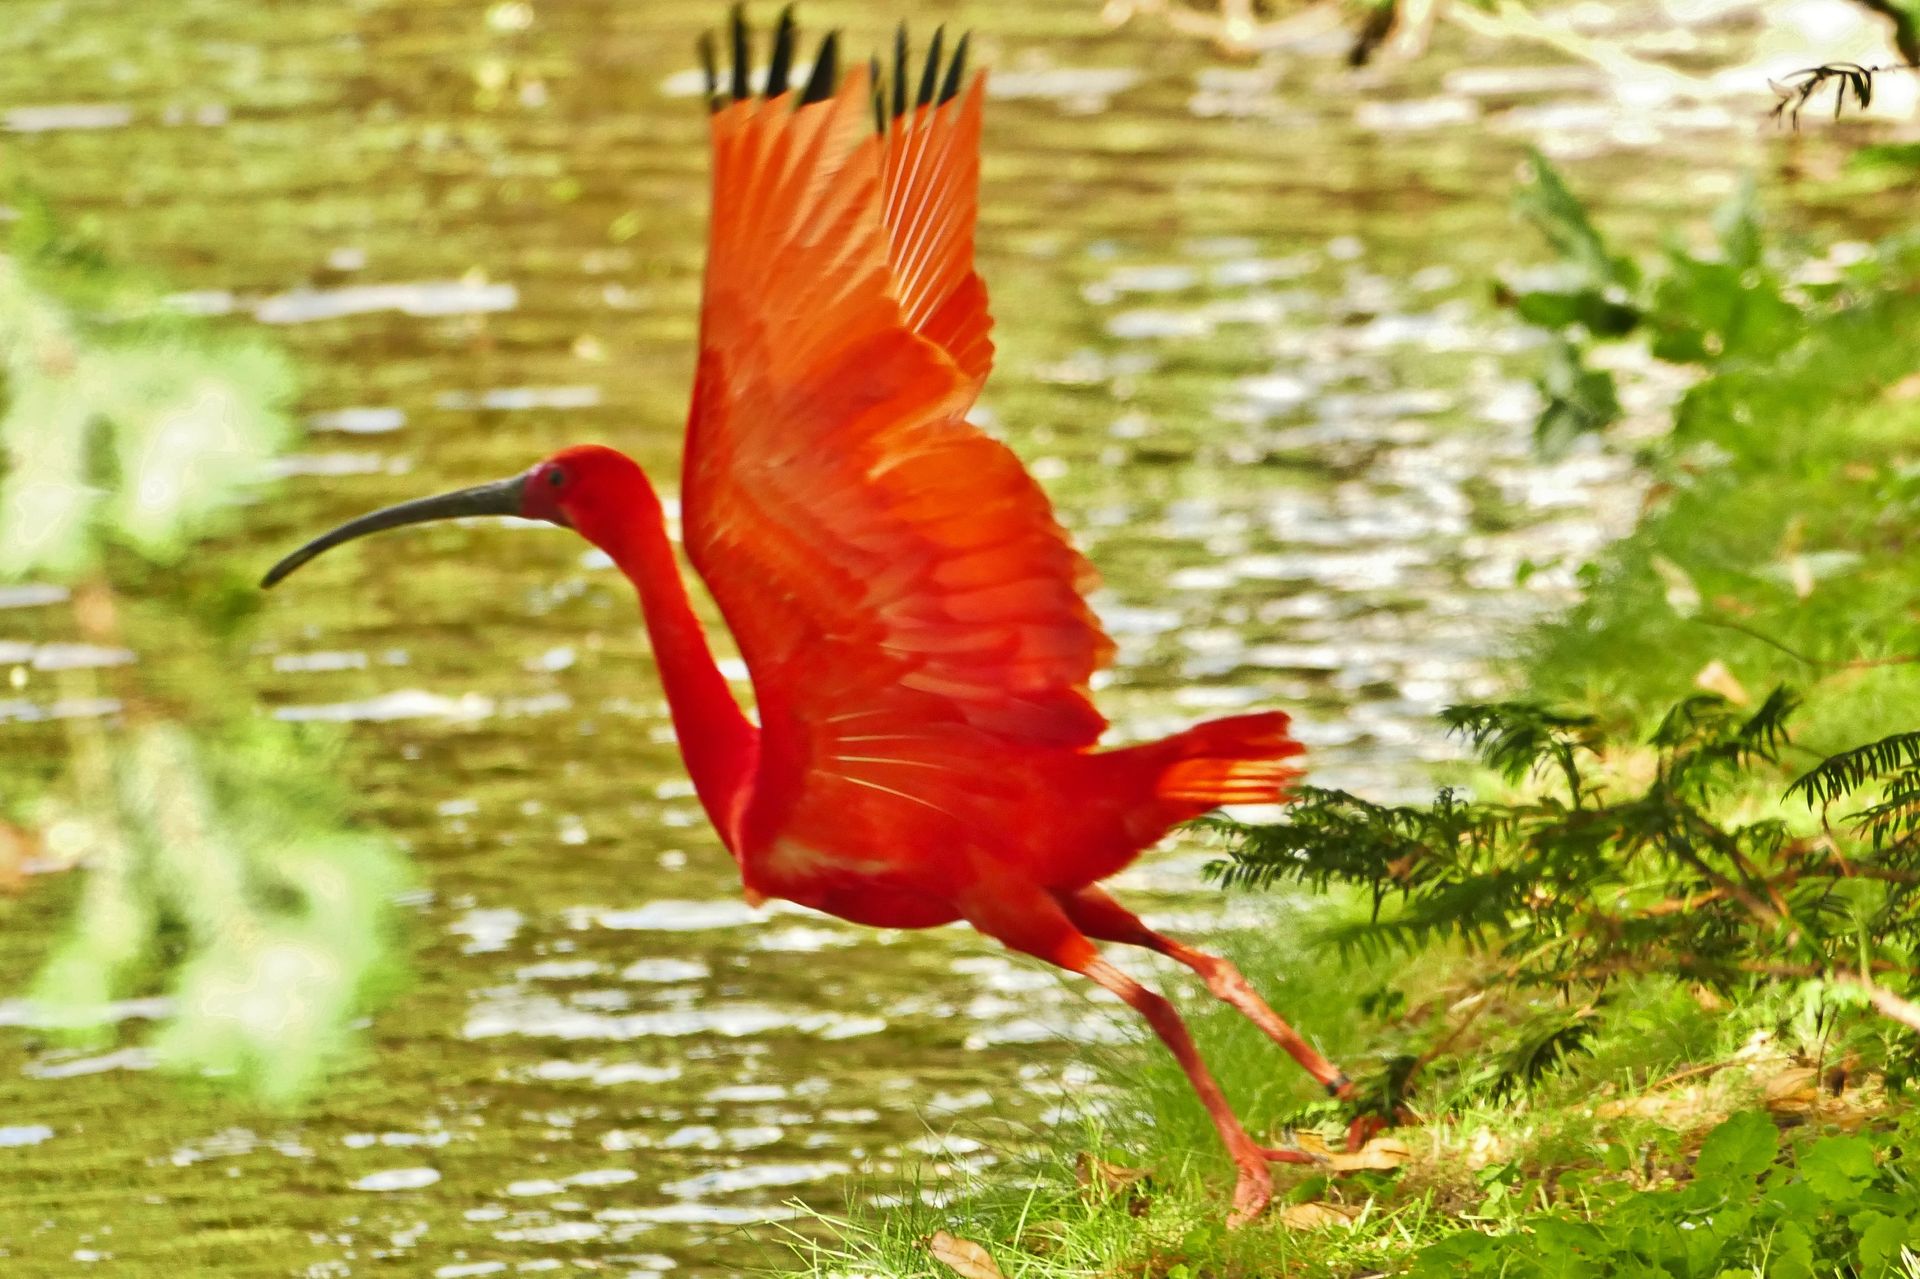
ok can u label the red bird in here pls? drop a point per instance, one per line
(911, 614)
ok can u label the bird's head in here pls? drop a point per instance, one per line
(587, 487)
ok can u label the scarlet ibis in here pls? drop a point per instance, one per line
(912, 616)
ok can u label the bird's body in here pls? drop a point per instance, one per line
(912, 616)
(891, 815)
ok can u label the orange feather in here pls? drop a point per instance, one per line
(911, 614)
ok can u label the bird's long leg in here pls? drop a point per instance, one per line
(1099, 916)
(1034, 923)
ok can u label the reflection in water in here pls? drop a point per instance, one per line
(1244, 342)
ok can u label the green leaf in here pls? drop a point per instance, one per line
(1838, 1168)
(1544, 199)
(1708, 311)
(233, 861)
(1740, 1149)
(1579, 400)
(1568, 1249)
(1881, 1239)
(1790, 1251)
(1468, 1252)
(1599, 315)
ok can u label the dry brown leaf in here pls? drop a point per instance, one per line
(1379, 1155)
(1104, 1175)
(1907, 388)
(1316, 1216)
(1683, 597)
(1103, 1179)
(16, 847)
(1309, 1142)
(1795, 1088)
(1790, 1080)
(963, 1256)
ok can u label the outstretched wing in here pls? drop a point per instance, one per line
(896, 583)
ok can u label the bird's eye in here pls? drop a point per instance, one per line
(556, 477)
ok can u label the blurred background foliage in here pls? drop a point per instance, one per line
(124, 425)
(220, 869)
(1400, 29)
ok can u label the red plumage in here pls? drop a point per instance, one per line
(912, 616)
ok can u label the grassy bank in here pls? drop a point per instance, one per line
(1781, 540)
(1516, 1145)
(1650, 1127)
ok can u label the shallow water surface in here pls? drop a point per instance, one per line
(1244, 341)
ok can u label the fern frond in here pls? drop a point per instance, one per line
(1840, 775)
(1895, 819)
(1517, 738)
(1690, 718)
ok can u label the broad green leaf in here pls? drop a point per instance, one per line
(1838, 1168)
(1790, 1252)
(1881, 1239)
(1468, 1252)
(1568, 1249)
(1740, 1149)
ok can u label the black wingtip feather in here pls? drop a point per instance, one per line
(782, 65)
(930, 77)
(900, 70)
(825, 71)
(710, 65)
(934, 88)
(742, 90)
(951, 88)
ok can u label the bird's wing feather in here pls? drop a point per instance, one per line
(895, 581)
(930, 178)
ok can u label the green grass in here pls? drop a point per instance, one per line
(1586, 1135)
(1783, 543)
(1655, 1132)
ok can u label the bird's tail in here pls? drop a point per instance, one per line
(1241, 760)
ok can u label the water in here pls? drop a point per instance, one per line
(1244, 341)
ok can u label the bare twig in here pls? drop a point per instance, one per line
(1234, 28)
(1830, 666)
(1691, 1072)
(1904, 1011)
(1510, 20)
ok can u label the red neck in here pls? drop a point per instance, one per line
(716, 739)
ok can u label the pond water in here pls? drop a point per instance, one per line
(1245, 341)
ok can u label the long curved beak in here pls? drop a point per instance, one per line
(502, 497)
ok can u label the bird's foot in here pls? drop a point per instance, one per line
(1290, 1151)
(1251, 1192)
(1364, 1129)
